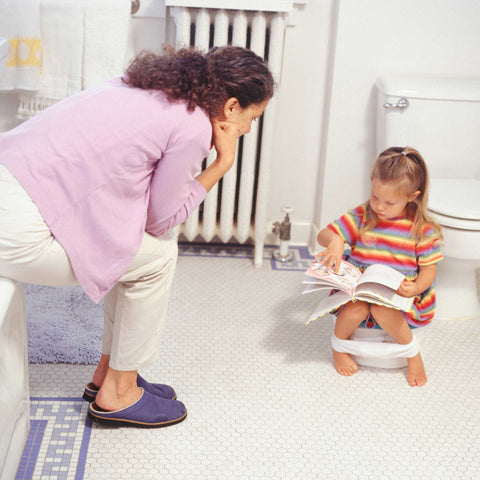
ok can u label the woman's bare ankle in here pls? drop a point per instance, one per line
(118, 390)
(108, 400)
(101, 370)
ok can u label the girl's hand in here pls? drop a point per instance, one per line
(407, 289)
(332, 255)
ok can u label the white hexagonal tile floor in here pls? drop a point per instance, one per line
(263, 397)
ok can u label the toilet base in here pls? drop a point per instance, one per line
(457, 289)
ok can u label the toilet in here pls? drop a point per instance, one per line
(441, 119)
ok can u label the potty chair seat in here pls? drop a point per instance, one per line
(373, 347)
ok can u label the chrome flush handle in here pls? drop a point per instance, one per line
(401, 104)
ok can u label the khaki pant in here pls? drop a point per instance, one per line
(136, 307)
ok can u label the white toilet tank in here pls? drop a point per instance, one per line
(441, 119)
(438, 117)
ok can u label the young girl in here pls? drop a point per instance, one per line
(393, 229)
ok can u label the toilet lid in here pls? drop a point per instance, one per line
(457, 197)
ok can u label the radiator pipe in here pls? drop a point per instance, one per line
(282, 229)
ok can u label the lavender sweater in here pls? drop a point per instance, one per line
(106, 165)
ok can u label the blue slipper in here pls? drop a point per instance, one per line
(149, 411)
(158, 389)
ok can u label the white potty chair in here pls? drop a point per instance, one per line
(14, 387)
(373, 347)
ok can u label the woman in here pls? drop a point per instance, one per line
(90, 186)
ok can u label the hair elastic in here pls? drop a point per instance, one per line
(403, 153)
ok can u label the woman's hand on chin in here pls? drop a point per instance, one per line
(225, 137)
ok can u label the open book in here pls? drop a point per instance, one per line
(377, 284)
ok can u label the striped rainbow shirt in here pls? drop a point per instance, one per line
(391, 243)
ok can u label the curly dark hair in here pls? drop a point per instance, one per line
(203, 80)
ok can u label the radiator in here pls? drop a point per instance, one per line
(235, 210)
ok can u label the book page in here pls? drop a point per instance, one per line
(375, 293)
(345, 279)
(315, 287)
(382, 274)
(329, 303)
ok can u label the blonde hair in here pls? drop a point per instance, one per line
(405, 168)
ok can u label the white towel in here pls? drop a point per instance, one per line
(84, 43)
(20, 24)
(107, 28)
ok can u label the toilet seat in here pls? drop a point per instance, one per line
(455, 223)
(455, 203)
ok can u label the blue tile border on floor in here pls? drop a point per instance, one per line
(32, 447)
(300, 262)
(82, 458)
(57, 443)
(230, 250)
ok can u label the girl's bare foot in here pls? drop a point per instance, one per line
(344, 363)
(416, 376)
